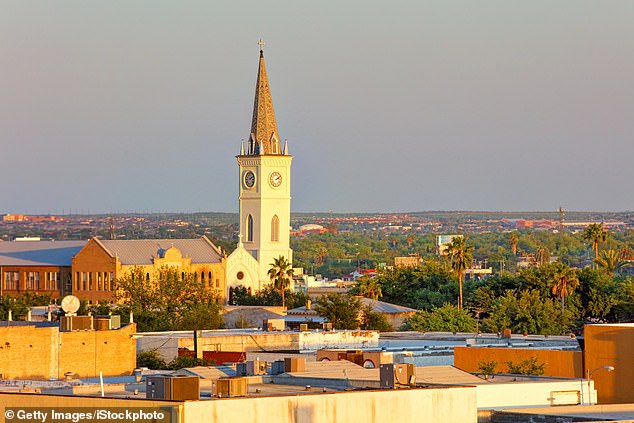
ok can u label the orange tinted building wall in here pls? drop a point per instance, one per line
(611, 345)
(43, 353)
(556, 363)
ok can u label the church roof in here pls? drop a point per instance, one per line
(264, 138)
(143, 251)
(39, 253)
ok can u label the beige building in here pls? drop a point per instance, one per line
(97, 266)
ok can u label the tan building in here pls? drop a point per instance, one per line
(97, 266)
(413, 260)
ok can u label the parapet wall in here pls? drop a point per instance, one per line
(46, 353)
(556, 362)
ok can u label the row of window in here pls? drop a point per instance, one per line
(94, 281)
(275, 229)
(33, 281)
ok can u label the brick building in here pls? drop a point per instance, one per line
(96, 267)
(42, 267)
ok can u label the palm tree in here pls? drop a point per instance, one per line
(513, 240)
(461, 257)
(594, 233)
(281, 273)
(369, 287)
(610, 261)
(565, 281)
(542, 256)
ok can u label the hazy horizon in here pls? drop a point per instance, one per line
(429, 106)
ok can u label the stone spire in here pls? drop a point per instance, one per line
(264, 138)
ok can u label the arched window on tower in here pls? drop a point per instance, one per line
(275, 229)
(249, 228)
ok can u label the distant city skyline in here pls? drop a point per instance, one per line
(387, 107)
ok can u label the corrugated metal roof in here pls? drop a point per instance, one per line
(39, 253)
(143, 251)
(377, 306)
(383, 307)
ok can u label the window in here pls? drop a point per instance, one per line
(202, 277)
(83, 281)
(33, 281)
(12, 281)
(77, 281)
(112, 281)
(51, 281)
(99, 282)
(90, 281)
(275, 229)
(249, 228)
(240, 275)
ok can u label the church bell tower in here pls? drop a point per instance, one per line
(265, 185)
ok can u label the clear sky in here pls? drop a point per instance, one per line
(121, 106)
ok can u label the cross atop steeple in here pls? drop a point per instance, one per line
(264, 138)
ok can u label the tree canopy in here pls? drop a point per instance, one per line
(171, 299)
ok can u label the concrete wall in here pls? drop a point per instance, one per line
(557, 363)
(30, 352)
(531, 394)
(457, 404)
(311, 341)
(22, 400)
(611, 345)
(261, 341)
(412, 405)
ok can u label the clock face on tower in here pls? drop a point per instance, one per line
(249, 179)
(275, 179)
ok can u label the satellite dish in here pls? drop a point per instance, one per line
(70, 304)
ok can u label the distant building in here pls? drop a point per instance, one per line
(413, 260)
(26, 218)
(442, 241)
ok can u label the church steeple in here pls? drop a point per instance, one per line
(264, 138)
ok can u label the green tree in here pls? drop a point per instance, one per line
(542, 256)
(371, 320)
(487, 368)
(565, 281)
(594, 233)
(461, 257)
(528, 312)
(167, 299)
(610, 262)
(151, 359)
(513, 240)
(281, 274)
(530, 367)
(447, 318)
(369, 287)
(342, 310)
